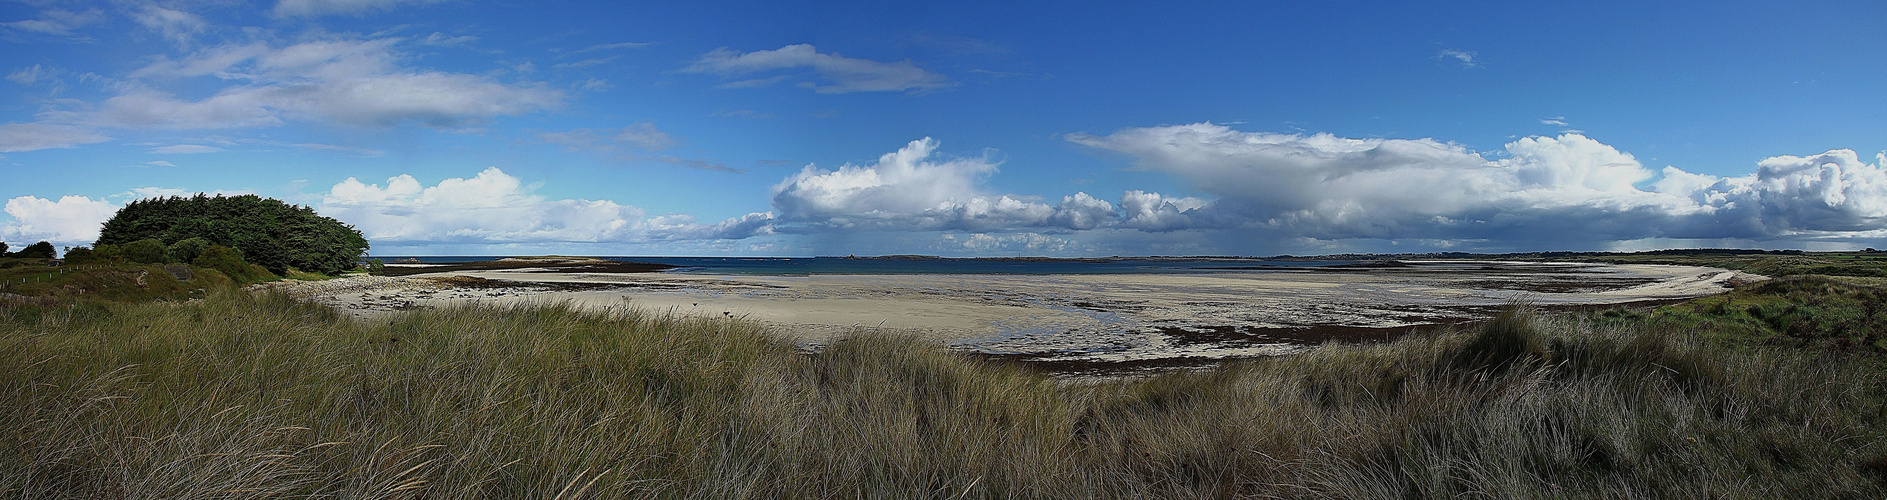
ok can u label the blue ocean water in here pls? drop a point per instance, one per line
(802, 266)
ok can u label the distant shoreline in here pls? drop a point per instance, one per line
(1551, 255)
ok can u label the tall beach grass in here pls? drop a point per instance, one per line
(244, 395)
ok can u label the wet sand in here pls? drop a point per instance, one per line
(1127, 319)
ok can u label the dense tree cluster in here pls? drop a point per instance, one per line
(41, 250)
(265, 231)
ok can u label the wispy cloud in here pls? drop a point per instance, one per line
(643, 136)
(1465, 57)
(742, 113)
(345, 81)
(32, 74)
(607, 46)
(177, 26)
(629, 144)
(341, 149)
(20, 137)
(185, 149)
(584, 63)
(58, 24)
(836, 74)
(438, 39)
(315, 8)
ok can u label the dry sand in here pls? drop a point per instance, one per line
(1066, 318)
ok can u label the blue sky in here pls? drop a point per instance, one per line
(963, 129)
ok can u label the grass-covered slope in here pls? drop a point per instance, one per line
(121, 282)
(1817, 312)
(254, 395)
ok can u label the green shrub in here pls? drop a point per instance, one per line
(145, 251)
(376, 267)
(107, 253)
(187, 250)
(229, 261)
(80, 255)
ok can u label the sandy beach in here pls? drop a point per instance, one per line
(1108, 318)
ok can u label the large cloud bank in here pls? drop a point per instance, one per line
(1543, 190)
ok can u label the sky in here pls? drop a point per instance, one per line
(1071, 129)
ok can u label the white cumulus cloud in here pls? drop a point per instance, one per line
(839, 74)
(72, 220)
(911, 189)
(494, 207)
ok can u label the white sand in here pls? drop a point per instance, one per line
(1095, 317)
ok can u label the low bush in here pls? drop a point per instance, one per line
(80, 255)
(187, 250)
(229, 261)
(146, 251)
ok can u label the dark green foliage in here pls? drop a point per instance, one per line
(107, 253)
(41, 250)
(145, 251)
(3, 249)
(269, 232)
(229, 262)
(80, 255)
(377, 267)
(187, 250)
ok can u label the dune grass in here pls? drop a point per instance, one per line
(1842, 313)
(245, 395)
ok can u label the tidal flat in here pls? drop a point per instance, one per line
(1078, 319)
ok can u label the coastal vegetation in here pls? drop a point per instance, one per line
(244, 394)
(267, 232)
(41, 250)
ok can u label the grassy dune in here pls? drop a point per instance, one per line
(254, 395)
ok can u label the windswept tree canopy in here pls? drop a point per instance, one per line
(269, 232)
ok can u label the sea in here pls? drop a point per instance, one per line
(804, 266)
